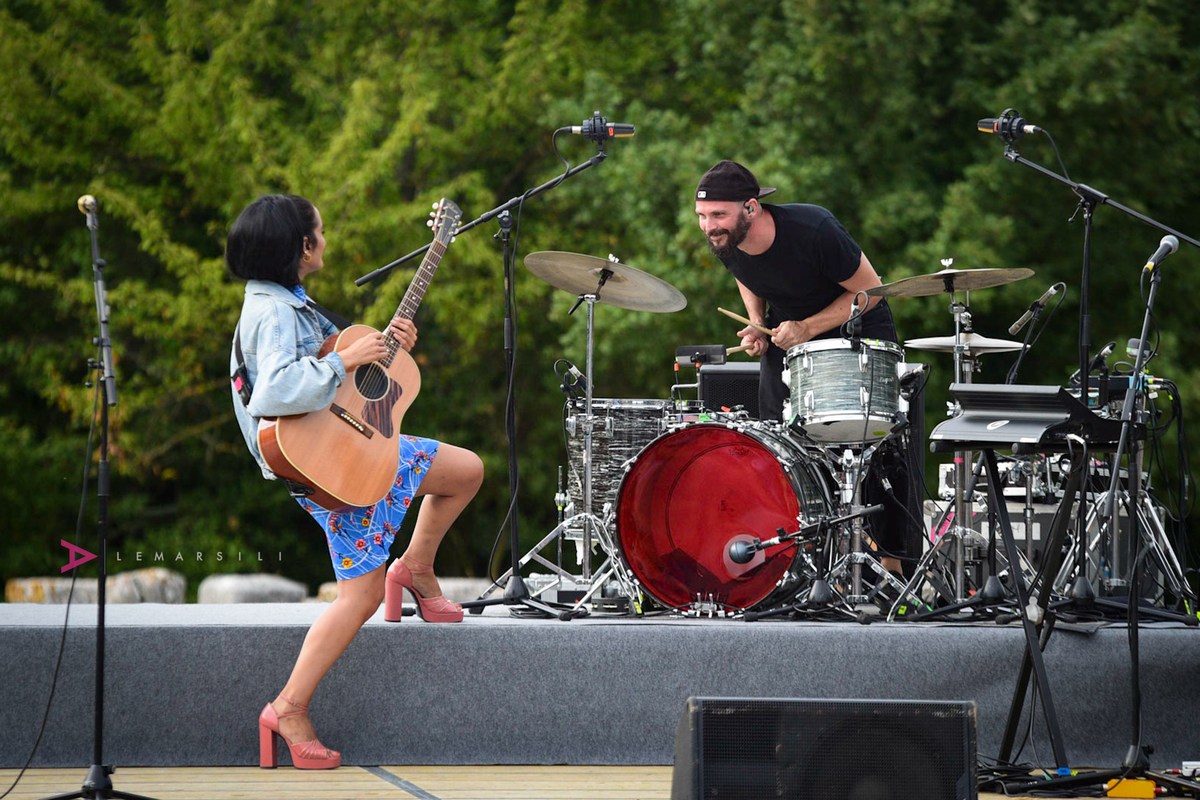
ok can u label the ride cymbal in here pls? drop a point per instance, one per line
(973, 344)
(951, 280)
(626, 286)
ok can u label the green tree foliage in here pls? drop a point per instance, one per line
(176, 116)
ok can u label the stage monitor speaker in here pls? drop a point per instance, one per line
(825, 749)
(730, 384)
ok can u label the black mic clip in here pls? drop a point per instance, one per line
(574, 383)
(854, 326)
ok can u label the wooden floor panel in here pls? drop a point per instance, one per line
(364, 783)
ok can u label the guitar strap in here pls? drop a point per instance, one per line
(337, 319)
(241, 378)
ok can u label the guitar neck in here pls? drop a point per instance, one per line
(420, 282)
(446, 216)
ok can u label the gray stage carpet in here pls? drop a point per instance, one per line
(185, 683)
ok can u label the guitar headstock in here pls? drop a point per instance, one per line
(444, 219)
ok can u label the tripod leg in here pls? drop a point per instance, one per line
(1032, 645)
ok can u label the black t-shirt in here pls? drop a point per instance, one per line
(800, 273)
(797, 276)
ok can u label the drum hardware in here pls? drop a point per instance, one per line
(820, 598)
(850, 470)
(1093, 556)
(993, 596)
(593, 280)
(966, 348)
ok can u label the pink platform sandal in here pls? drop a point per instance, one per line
(305, 755)
(430, 609)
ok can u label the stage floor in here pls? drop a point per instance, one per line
(184, 684)
(365, 783)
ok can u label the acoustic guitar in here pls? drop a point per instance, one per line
(348, 452)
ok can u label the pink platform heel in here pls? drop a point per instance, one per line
(305, 755)
(430, 609)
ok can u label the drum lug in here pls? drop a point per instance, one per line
(864, 361)
(864, 398)
(809, 401)
(808, 364)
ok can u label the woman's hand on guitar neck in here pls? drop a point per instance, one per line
(404, 331)
(373, 346)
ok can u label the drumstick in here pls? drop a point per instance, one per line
(742, 319)
(739, 349)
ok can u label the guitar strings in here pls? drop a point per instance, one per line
(377, 380)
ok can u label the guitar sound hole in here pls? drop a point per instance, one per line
(371, 381)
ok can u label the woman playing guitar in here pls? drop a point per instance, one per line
(281, 370)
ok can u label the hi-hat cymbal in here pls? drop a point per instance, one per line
(950, 280)
(627, 287)
(973, 344)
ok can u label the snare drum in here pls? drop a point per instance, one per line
(620, 429)
(840, 396)
(695, 491)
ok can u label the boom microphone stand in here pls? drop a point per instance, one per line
(98, 785)
(598, 130)
(1010, 126)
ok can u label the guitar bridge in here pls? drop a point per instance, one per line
(351, 420)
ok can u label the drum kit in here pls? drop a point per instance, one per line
(707, 512)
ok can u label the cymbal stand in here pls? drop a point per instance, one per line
(612, 566)
(589, 421)
(993, 596)
(1083, 559)
(959, 529)
(963, 367)
(595, 529)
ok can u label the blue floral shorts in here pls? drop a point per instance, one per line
(360, 539)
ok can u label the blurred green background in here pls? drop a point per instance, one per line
(175, 115)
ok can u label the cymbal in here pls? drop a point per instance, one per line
(973, 344)
(950, 280)
(627, 287)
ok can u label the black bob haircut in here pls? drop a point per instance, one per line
(267, 239)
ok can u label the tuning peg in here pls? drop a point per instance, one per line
(434, 206)
(428, 223)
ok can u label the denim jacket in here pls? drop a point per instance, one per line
(281, 336)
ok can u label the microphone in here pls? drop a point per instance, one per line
(1037, 305)
(598, 129)
(1096, 361)
(742, 552)
(1168, 245)
(86, 204)
(1101, 357)
(1009, 126)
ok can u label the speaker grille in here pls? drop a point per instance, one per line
(844, 749)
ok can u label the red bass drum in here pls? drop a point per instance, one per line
(694, 491)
